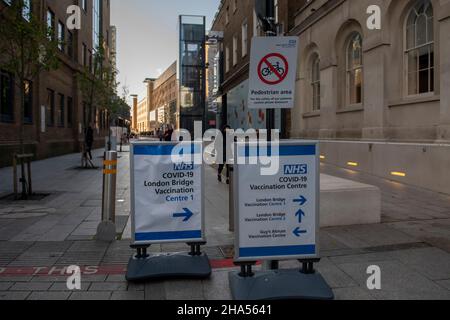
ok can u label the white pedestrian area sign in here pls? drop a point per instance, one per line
(277, 215)
(167, 192)
(273, 68)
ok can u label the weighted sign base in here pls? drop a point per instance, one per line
(168, 266)
(279, 285)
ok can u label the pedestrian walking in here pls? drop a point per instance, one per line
(224, 162)
(89, 141)
(168, 134)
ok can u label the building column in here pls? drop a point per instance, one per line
(328, 102)
(444, 41)
(374, 94)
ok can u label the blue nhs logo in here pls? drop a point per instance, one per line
(296, 169)
(183, 166)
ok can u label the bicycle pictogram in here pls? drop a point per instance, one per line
(273, 69)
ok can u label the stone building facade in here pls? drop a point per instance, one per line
(379, 100)
(57, 92)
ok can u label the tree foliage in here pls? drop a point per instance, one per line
(27, 44)
(28, 47)
(98, 86)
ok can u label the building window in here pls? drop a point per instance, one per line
(276, 11)
(61, 36)
(420, 49)
(70, 44)
(84, 5)
(51, 23)
(235, 50)
(315, 82)
(244, 39)
(50, 114)
(26, 10)
(354, 69)
(96, 30)
(61, 110)
(227, 15)
(84, 55)
(6, 97)
(28, 102)
(227, 59)
(69, 111)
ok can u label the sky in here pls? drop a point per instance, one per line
(147, 36)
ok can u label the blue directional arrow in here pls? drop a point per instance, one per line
(300, 214)
(298, 232)
(187, 214)
(302, 200)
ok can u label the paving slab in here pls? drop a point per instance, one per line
(49, 296)
(128, 295)
(184, 290)
(155, 291)
(13, 296)
(31, 286)
(217, 288)
(430, 262)
(354, 293)
(91, 295)
(62, 286)
(397, 281)
(109, 286)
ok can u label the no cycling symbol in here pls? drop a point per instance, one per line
(273, 69)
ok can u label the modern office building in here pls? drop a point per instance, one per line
(191, 71)
(143, 116)
(165, 98)
(60, 129)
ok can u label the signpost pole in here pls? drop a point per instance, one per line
(270, 32)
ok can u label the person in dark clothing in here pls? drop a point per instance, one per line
(89, 140)
(224, 154)
(168, 134)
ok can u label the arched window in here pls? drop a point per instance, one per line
(419, 49)
(354, 69)
(315, 82)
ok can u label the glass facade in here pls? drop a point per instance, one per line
(191, 71)
(96, 23)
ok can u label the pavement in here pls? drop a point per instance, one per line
(40, 239)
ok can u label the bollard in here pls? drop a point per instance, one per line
(231, 199)
(106, 231)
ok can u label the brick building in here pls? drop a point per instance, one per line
(238, 21)
(57, 116)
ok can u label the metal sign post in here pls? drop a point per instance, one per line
(277, 218)
(167, 206)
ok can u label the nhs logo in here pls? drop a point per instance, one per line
(183, 166)
(296, 169)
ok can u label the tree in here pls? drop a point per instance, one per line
(98, 86)
(28, 47)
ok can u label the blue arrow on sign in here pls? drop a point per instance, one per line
(302, 200)
(300, 214)
(187, 214)
(298, 232)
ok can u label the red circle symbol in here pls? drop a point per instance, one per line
(273, 69)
